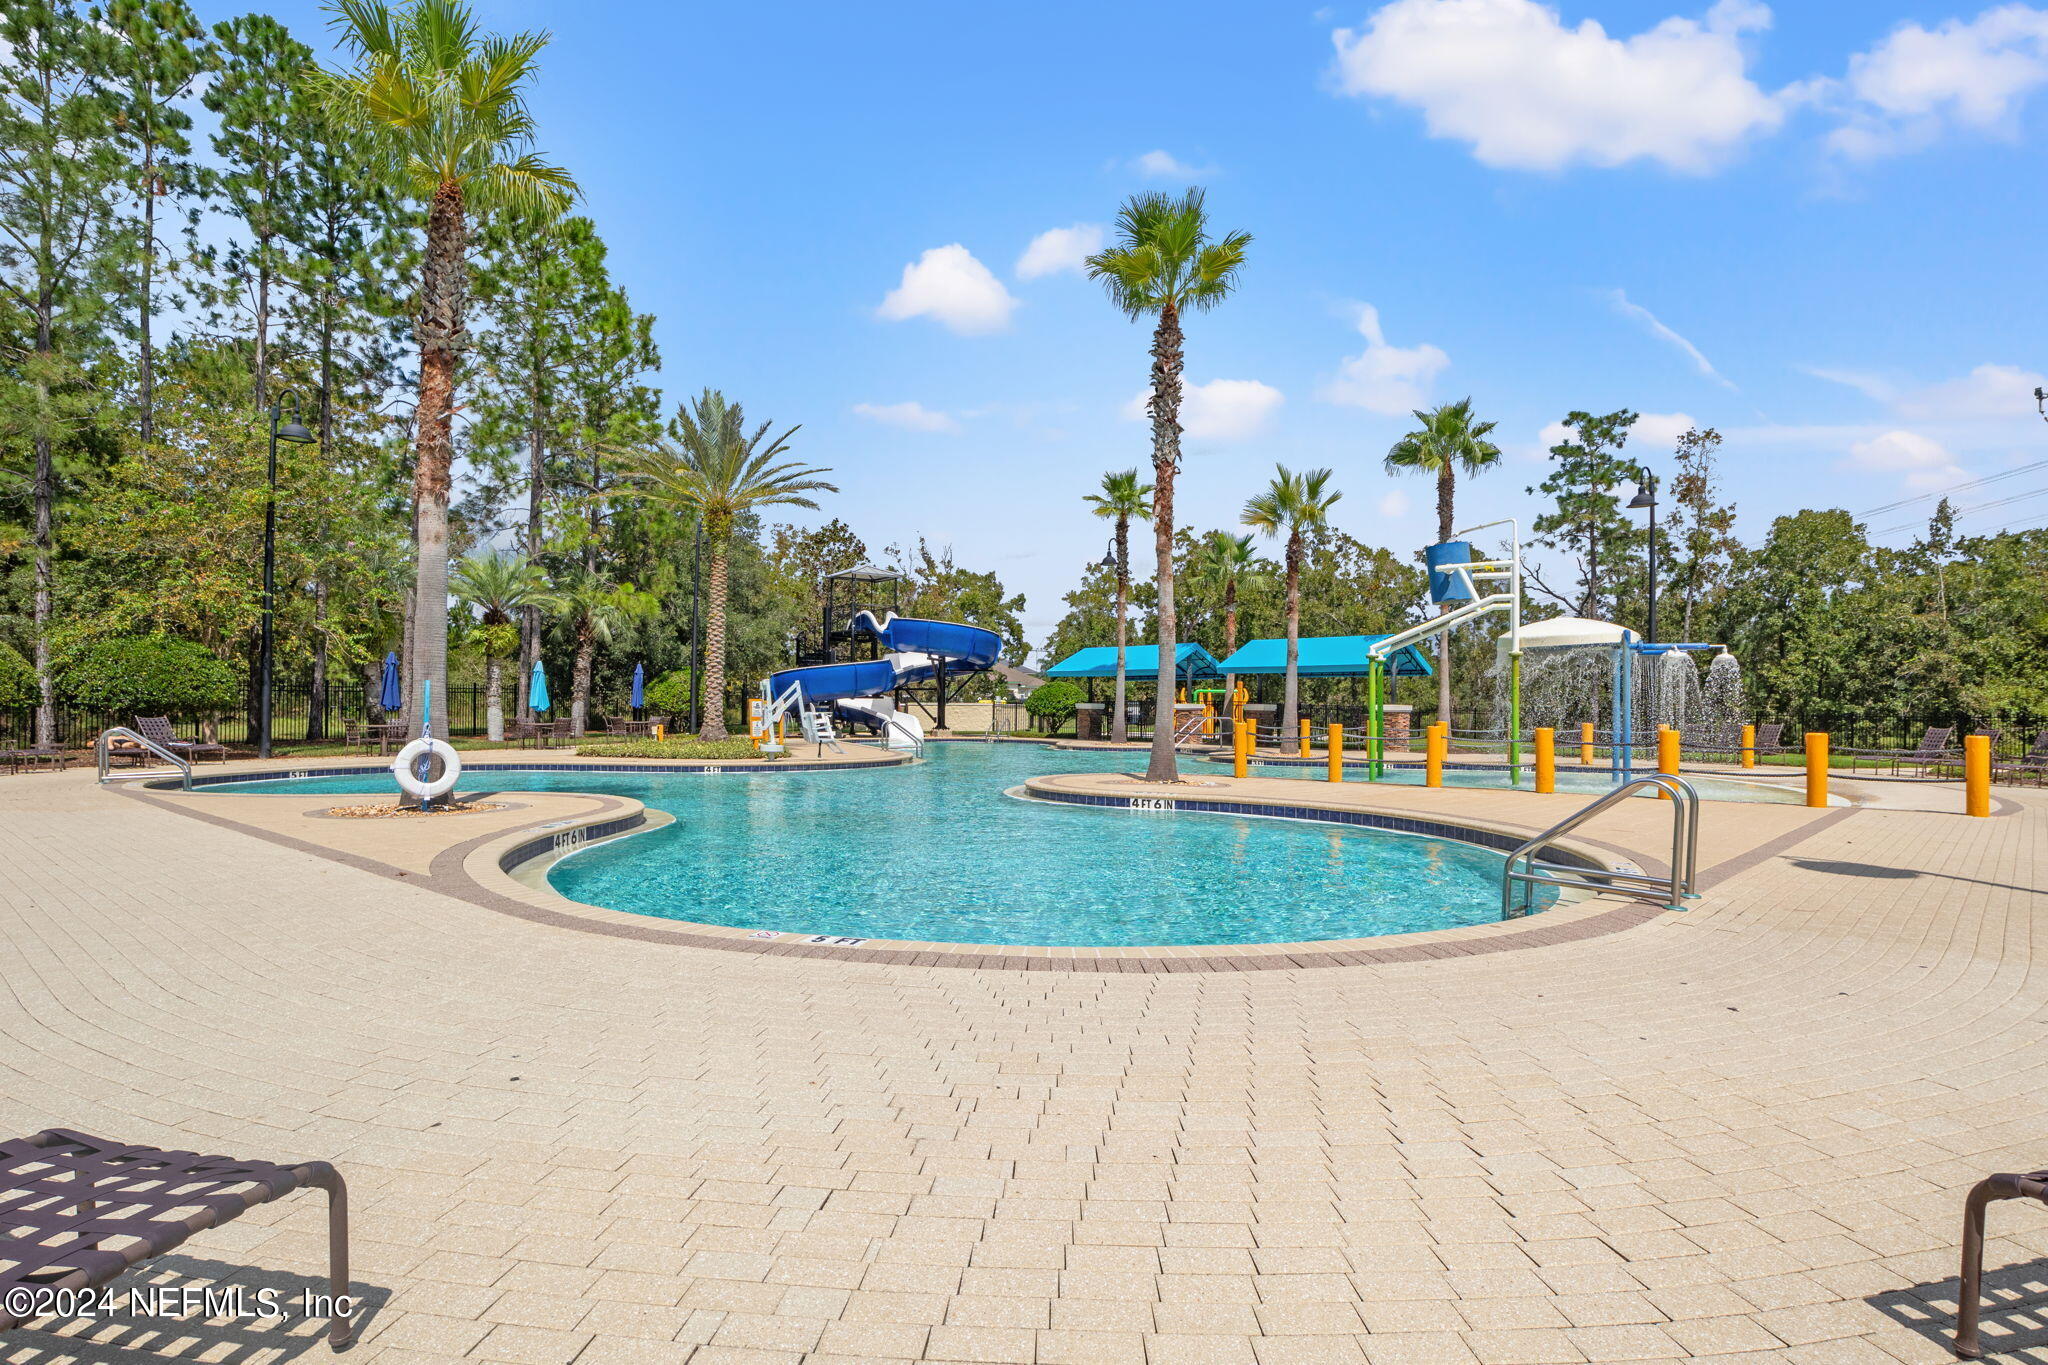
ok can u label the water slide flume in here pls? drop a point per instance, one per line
(917, 652)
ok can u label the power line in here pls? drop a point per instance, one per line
(1962, 512)
(1958, 488)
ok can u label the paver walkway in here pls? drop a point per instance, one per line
(1741, 1131)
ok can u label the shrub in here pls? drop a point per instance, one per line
(669, 694)
(17, 680)
(1052, 704)
(151, 675)
(684, 747)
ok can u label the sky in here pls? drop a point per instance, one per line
(1813, 226)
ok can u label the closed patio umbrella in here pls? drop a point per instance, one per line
(639, 690)
(388, 695)
(537, 691)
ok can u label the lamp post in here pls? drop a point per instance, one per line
(295, 432)
(1646, 498)
(2041, 402)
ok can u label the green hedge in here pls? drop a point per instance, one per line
(669, 694)
(17, 680)
(150, 675)
(1052, 704)
(683, 747)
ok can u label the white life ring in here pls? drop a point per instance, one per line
(402, 768)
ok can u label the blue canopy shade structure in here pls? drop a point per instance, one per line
(537, 691)
(639, 687)
(1140, 662)
(388, 695)
(1326, 656)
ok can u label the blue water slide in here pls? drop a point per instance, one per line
(964, 649)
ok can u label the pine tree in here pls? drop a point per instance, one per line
(1587, 523)
(1703, 526)
(157, 51)
(262, 141)
(60, 237)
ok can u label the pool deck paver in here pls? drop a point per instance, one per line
(1740, 1132)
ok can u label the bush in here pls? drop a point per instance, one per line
(669, 694)
(151, 675)
(17, 680)
(684, 747)
(1052, 704)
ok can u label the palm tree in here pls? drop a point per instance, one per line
(596, 608)
(714, 470)
(444, 107)
(1223, 563)
(1162, 264)
(501, 588)
(1122, 497)
(1448, 440)
(1292, 505)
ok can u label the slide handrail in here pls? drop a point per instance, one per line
(103, 752)
(1523, 870)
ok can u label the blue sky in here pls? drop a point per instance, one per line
(1814, 226)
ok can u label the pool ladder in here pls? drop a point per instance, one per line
(103, 752)
(1524, 869)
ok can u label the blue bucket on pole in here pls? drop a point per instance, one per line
(1447, 587)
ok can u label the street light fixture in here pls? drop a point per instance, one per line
(295, 432)
(2041, 402)
(1646, 499)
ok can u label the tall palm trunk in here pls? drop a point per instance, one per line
(316, 700)
(714, 641)
(1167, 361)
(1446, 524)
(1290, 710)
(579, 686)
(494, 702)
(1230, 641)
(442, 289)
(1119, 730)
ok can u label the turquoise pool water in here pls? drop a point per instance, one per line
(937, 851)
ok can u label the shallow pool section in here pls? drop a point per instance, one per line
(939, 852)
(1588, 783)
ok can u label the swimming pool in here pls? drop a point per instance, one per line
(939, 852)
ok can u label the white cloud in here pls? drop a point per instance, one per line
(1164, 165)
(1058, 249)
(1220, 410)
(1394, 503)
(949, 285)
(1988, 391)
(1393, 380)
(1925, 463)
(1918, 83)
(1630, 309)
(1660, 429)
(912, 416)
(1508, 77)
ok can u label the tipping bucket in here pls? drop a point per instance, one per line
(1447, 587)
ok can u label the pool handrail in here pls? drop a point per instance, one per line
(102, 751)
(1524, 870)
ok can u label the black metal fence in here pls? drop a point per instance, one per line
(291, 707)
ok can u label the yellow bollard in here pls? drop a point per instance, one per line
(1586, 743)
(1667, 755)
(1977, 774)
(1433, 761)
(1334, 738)
(1749, 746)
(1306, 742)
(1241, 750)
(1546, 760)
(1816, 768)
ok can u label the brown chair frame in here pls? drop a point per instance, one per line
(66, 1196)
(2031, 1186)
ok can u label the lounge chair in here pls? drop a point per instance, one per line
(1937, 747)
(1968, 1293)
(157, 730)
(2034, 763)
(77, 1211)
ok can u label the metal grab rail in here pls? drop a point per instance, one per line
(1685, 835)
(103, 746)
